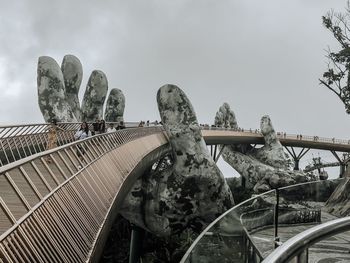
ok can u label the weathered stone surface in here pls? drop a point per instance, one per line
(190, 193)
(72, 74)
(339, 202)
(51, 92)
(115, 106)
(263, 168)
(94, 97)
(225, 117)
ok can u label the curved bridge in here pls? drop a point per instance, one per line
(61, 210)
(58, 205)
(21, 141)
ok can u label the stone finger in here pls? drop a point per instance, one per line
(94, 96)
(115, 106)
(225, 117)
(72, 74)
(51, 92)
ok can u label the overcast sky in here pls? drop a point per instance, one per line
(262, 57)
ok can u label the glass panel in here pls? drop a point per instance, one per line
(230, 237)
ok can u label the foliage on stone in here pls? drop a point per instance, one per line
(191, 192)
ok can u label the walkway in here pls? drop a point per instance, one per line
(333, 249)
(62, 211)
(20, 141)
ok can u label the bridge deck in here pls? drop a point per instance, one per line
(60, 211)
(18, 142)
(237, 137)
(57, 207)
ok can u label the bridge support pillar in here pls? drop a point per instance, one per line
(296, 164)
(213, 150)
(137, 235)
(296, 157)
(342, 163)
(342, 170)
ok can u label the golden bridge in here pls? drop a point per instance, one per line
(57, 207)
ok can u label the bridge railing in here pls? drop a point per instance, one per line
(282, 135)
(250, 231)
(20, 141)
(53, 204)
(296, 248)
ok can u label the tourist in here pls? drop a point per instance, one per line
(121, 126)
(111, 128)
(52, 138)
(81, 134)
(102, 127)
(96, 127)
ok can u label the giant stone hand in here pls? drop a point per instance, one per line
(263, 168)
(189, 194)
(58, 90)
(115, 106)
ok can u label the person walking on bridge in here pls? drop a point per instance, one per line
(52, 138)
(81, 134)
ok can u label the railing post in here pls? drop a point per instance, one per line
(137, 234)
(303, 257)
(277, 239)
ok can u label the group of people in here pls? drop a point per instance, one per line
(148, 123)
(98, 127)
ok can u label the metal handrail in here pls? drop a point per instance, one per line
(23, 129)
(53, 209)
(240, 214)
(282, 135)
(206, 230)
(20, 141)
(297, 245)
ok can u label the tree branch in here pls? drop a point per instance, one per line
(331, 89)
